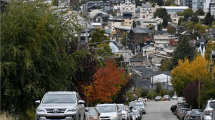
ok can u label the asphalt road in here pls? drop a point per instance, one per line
(159, 110)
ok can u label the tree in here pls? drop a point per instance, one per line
(171, 29)
(180, 21)
(194, 19)
(186, 72)
(108, 81)
(161, 13)
(210, 45)
(168, 3)
(143, 92)
(55, 2)
(165, 22)
(33, 55)
(153, 4)
(208, 19)
(213, 24)
(134, 24)
(100, 40)
(182, 51)
(124, 40)
(187, 13)
(199, 12)
(199, 28)
(158, 87)
(179, 13)
(190, 26)
(190, 93)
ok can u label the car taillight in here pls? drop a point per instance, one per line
(208, 112)
(190, 115)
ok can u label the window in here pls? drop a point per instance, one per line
(129, 22)
(174, 19)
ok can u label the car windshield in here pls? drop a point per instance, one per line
(121, 107)
(157, 97)
(59, 98)
(166, 95)
(180, 98)
(106, 108)
(92, 111)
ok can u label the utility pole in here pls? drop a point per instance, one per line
(199, 88)
(167, 86)
(211, 65)
(152, 85)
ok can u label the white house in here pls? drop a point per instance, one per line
(128, 6)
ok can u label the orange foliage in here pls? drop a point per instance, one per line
(107, 82)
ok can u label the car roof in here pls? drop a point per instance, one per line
(61, 92)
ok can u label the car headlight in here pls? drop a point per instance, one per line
(40, 110)
(72, 110)
(114, 116)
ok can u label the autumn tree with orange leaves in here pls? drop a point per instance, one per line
(108, 81)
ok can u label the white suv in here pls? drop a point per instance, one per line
(207, 111)
(109, 112)
(64, 105)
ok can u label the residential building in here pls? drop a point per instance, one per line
(145, 23)
(188, 3)
(176, 18)
(200, 45)
(138, 35)
(173, 9)
(211, 33)
(196, 4)
(115, 23)
(147, 11)
(127, 17)
(127, 6)
(101, 18)
(106, 5)
(136, 61)
(206, 5)
(161, 40)
(212, 8)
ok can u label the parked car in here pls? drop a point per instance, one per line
(187, 115)
(92, 114)
(174, 97)
(166, 97)
(180, 99)
(134, 116)
(158, 98)
(195, 115)
(125, 114)
(207, 111)
(179, 111)
(173, 107)
(137, 113)
(60, 105)
(140, 107)
(177, 107)
(182, 113)
(109, 111)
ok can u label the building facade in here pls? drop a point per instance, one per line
(128, 6)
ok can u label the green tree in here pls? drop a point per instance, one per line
(165, 22)
(168, 3)
(33, 55)
(161, 13)
(182, 51)
(55, 2)
(153, 4)
(100, 42)
(179, 13)
(187, 13)
(190, 26)
(143, 92)
(199, 28)
(158, 87)
(194, 19)
(123, 40)
(199, 12)
(208, 19)
(180, 21)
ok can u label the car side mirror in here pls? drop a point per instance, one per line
(86, 110)
(81, 102)
(37, 102)
(126, 109)
(119, 110)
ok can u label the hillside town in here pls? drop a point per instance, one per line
(119, 59)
